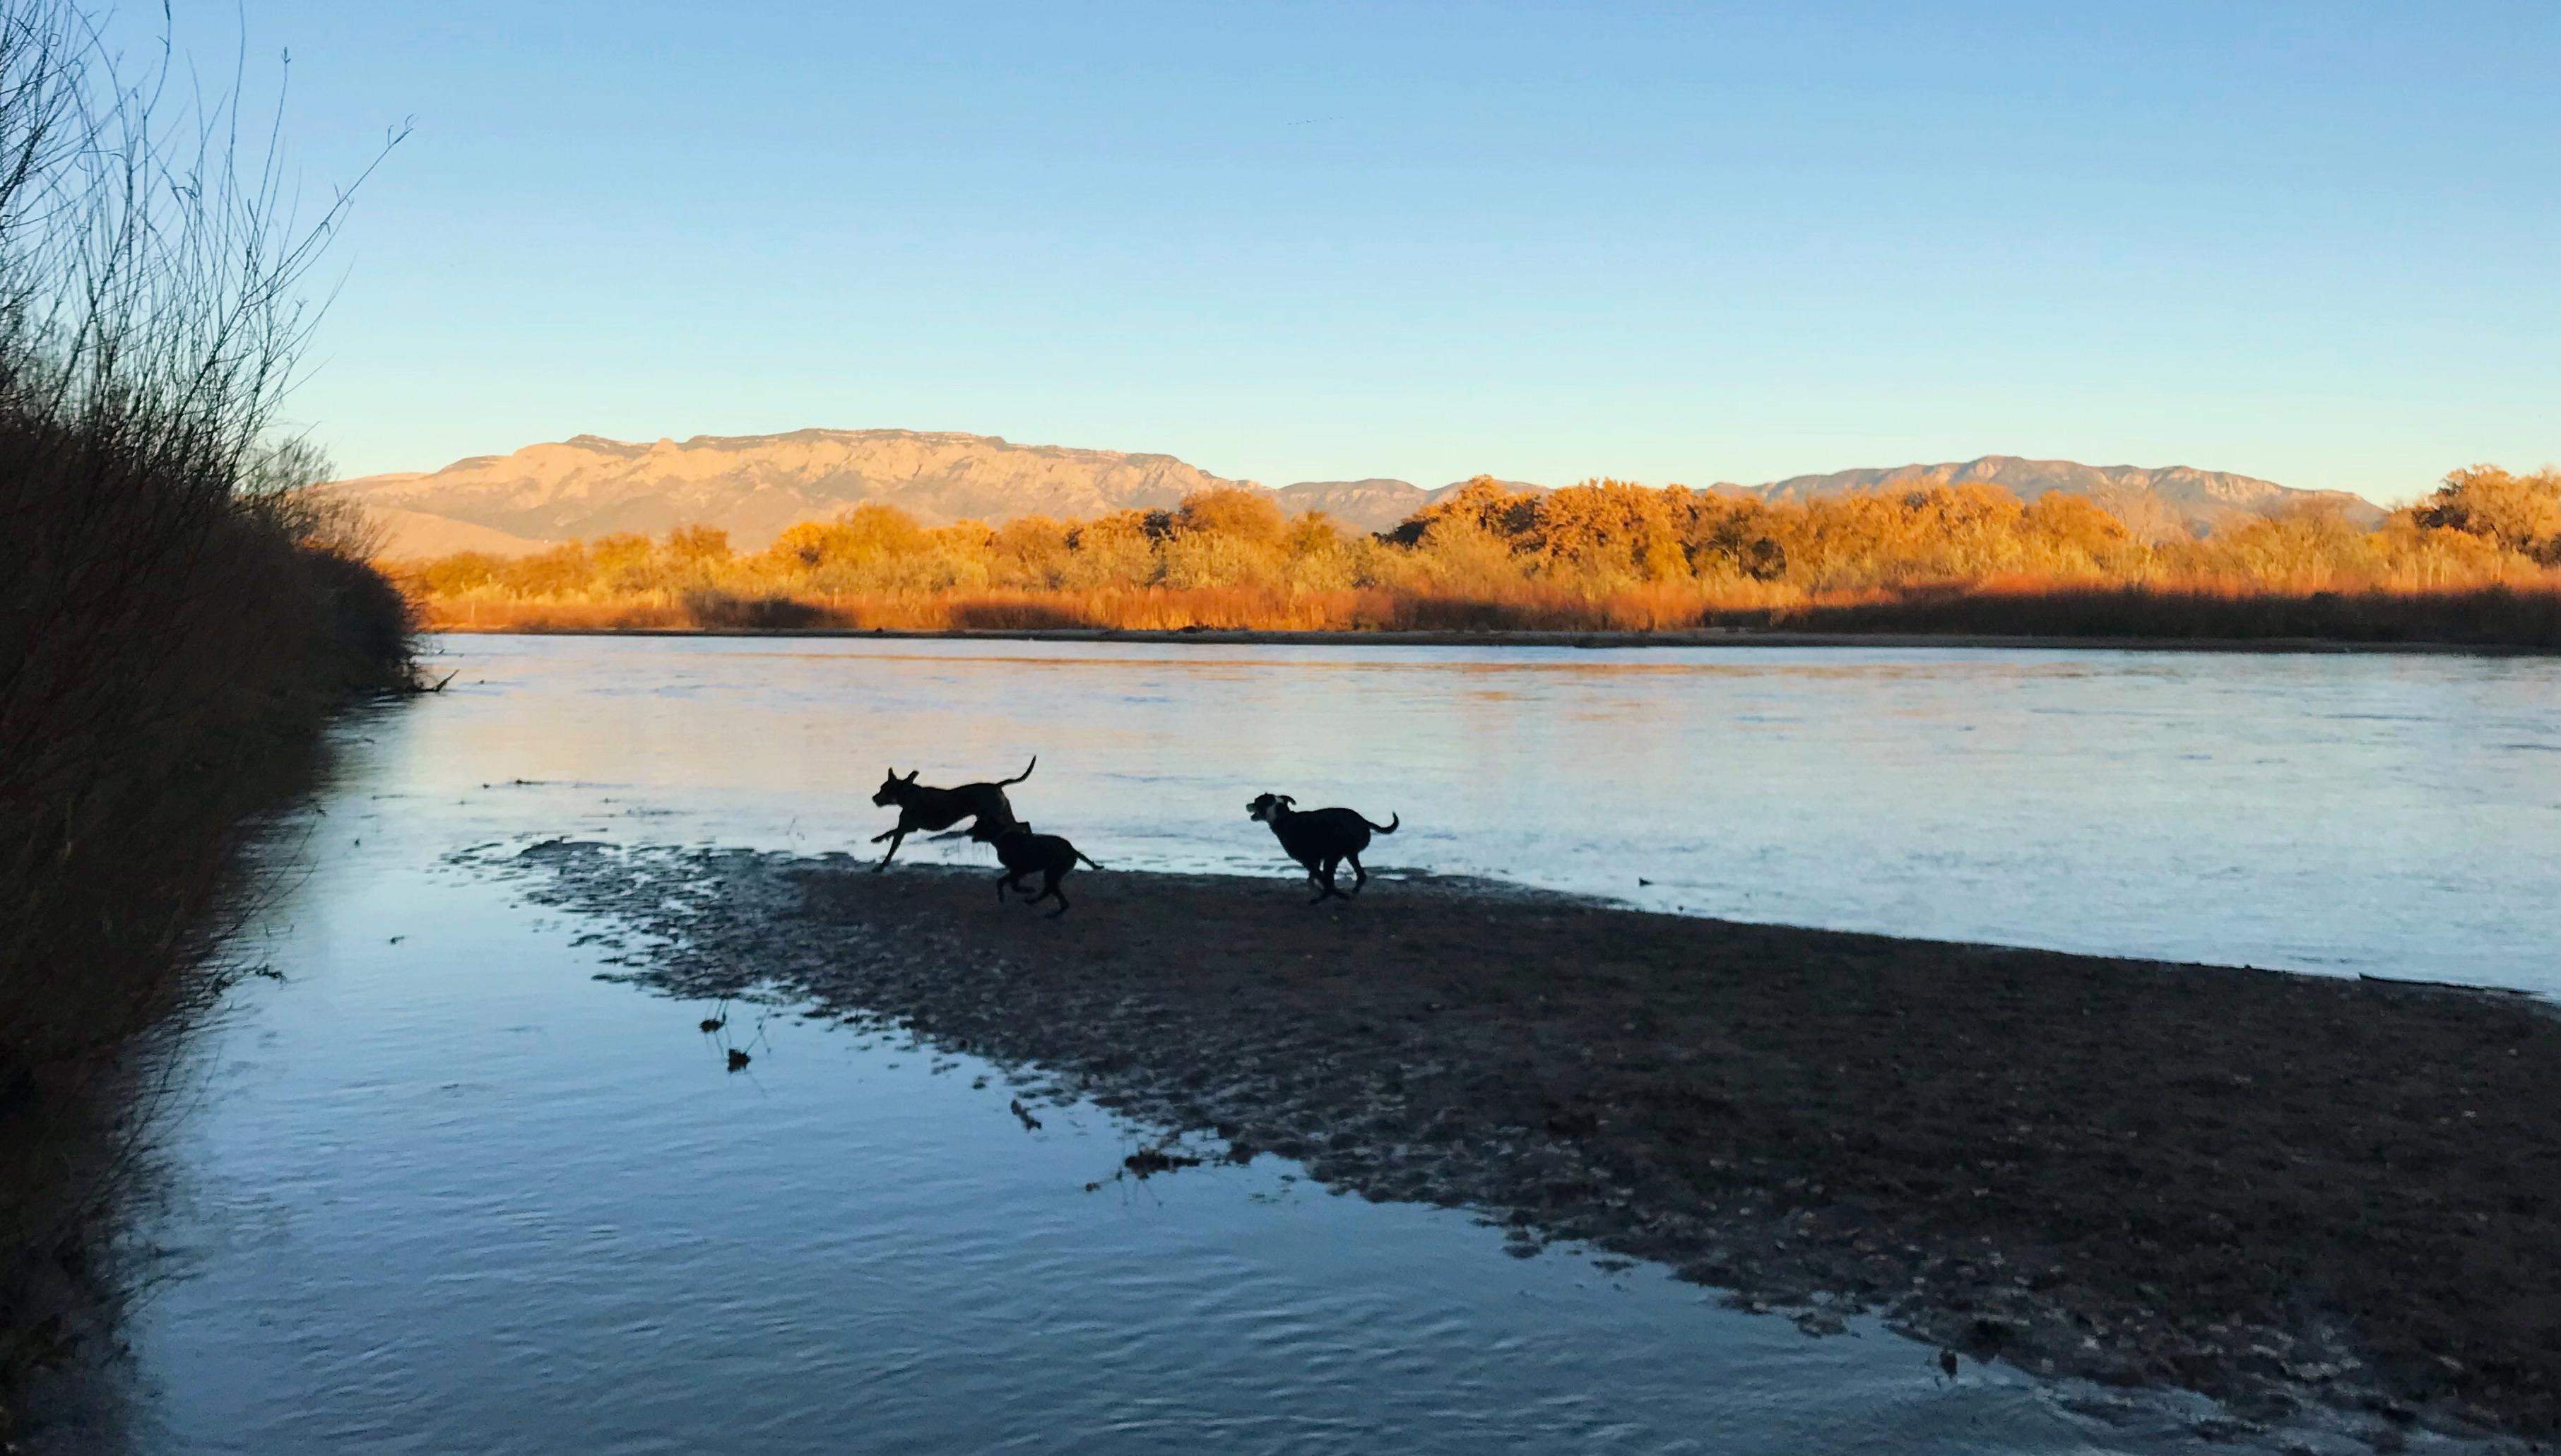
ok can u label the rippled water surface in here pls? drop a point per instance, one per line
(439, 1190)
(2378, 814)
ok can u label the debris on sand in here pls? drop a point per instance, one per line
(1156, 1158)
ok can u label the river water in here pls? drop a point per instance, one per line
(440, 1190)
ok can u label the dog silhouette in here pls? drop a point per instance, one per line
(1022, 853)
(1320, 839)
(922, 806)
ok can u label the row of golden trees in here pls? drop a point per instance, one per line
(1594, 541)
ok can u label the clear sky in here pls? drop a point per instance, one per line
(2313, 243)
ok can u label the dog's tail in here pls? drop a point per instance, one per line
(1090, 859)
(1026, 773)
(1388, 828)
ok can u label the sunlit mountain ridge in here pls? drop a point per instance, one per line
(753, 486)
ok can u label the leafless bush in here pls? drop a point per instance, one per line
(178, 615)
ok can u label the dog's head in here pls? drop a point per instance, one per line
(890, 785)
(1267, 807)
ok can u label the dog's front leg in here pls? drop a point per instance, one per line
(897, 837)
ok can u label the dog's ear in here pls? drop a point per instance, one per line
(1285, 798)
(912, 773)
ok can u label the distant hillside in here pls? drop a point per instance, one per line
(753, 486)
(2154, 502)
(1372, 505)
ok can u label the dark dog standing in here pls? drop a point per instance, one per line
(1023, 852)
(926, 808)
(1320, 839)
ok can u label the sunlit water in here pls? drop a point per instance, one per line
(2386, 815)
(441, 1191)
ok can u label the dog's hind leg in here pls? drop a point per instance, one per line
(1333, 881)
(1050, 890)
(1360, 877)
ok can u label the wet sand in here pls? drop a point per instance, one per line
(2273, 1187)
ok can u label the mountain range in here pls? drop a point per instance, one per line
(753, 486)
(2154, 502)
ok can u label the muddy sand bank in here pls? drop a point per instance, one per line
(2271, 1188)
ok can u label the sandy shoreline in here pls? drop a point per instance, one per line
(2278, 1190)
(1705, 637)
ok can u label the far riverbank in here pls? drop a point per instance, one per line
(1700, 637)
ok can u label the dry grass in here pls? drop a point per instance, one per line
(2523, 615)
(1144, 609)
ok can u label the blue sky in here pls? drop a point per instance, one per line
(2312, 243)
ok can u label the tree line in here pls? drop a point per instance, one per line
(1603, 552)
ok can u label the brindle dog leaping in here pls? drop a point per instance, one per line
(920, 806)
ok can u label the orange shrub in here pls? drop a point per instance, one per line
(1604, 553)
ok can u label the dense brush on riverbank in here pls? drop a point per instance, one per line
(144, 726)
(177, 622)
(2478, 562)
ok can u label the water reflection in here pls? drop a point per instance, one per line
(452, 1195)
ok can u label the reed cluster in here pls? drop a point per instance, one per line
(2479, 559)
(179, 617)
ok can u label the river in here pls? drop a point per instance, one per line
(439, 1189)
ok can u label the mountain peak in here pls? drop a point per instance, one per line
(752, 486)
